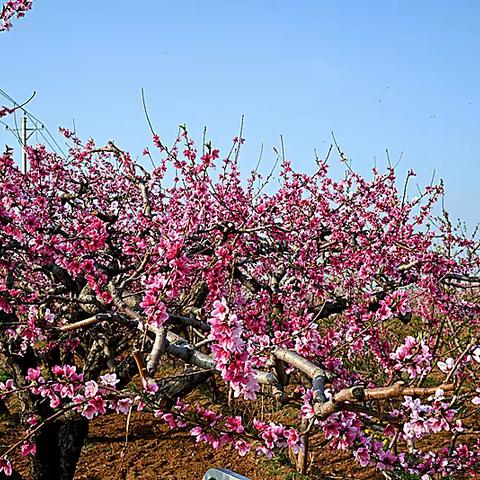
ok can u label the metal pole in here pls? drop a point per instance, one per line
(24, 142)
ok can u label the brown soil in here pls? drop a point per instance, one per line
(153, 452)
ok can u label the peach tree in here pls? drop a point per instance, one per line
(347, 301)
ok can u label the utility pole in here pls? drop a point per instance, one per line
(28, 126)
(23, 134)
(24, 143)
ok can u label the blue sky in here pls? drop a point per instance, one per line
(402, 75)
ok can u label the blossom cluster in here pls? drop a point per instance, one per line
(429, 418)
(229, 351)
(154, 308)
(13, 8)
(413, 356)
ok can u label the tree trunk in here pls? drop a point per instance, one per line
(3, 408)
(58, 449)
(14, 476)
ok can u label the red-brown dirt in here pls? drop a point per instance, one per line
(154, 452)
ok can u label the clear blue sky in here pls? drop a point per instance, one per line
(402, 75)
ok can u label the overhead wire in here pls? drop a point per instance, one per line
(51, 141)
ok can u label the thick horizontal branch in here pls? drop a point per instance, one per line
(316, 373)
(361, 394)
(178, 347)
(100, 317)
(87, 322)
(461, 278)
(398, 390)
(302, 364)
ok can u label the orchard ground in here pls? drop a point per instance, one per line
(153, 451)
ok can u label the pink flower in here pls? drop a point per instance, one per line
(362, 456)
(387, 460)
(293, 439)
(5, 466)
(210, 416)
(413, 357)
(199, 434)
(13, 8)
(149, 386)
(264, 451)
(447, 365)
(169, 419)
(7, 386)
(109, 380)
(49, 316)
(234, 424)
(307, 411)
(331, 429)
(95, 406)
(154, 308)
(230, 353)
(123, 405)
(220, 309)
(32, 421)
(91, 388)
(157, 142)
(33, 374)
(242, 447)
(28, 448)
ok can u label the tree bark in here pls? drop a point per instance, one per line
(58, 449)
(3, 408)
(14, 476)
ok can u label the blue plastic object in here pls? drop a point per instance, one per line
(222, 474)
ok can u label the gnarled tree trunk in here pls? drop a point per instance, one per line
(58, 449)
